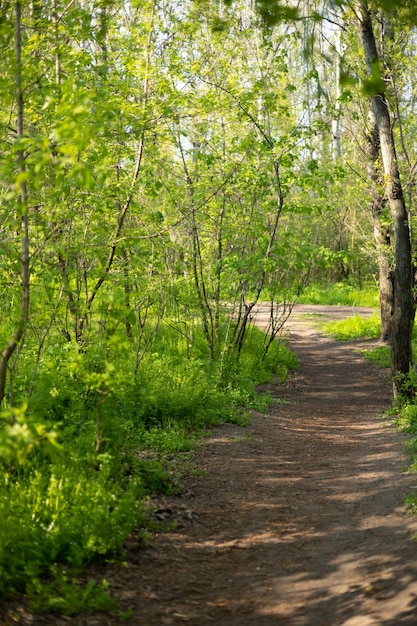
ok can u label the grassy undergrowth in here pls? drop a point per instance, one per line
(380, 355)
(342, 294)
(355, 327)
(94, 438)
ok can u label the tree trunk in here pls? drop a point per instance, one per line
(403, 307)
(385, 275)
(382, 232)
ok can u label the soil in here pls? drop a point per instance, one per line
(297, 519)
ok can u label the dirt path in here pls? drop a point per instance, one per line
(297, 519)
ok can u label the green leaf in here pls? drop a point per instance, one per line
(272, 13)
(347, 79)
(375, 84)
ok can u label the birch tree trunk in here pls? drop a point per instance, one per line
(382, 232)
(403, 307)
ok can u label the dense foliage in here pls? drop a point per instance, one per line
(166, 166)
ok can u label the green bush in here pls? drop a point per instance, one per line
(406, 418)
(278, 361)
(62, 514)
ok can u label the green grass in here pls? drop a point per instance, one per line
(358, 327)
(67, 597)
(355, 327)
(62, 514)
(341, 294)
(380, 356)
(406, 419)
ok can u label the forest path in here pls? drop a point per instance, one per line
(295, 520)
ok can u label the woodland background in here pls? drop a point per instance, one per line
(165, 167)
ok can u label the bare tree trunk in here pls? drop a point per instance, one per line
(248, 307)
(403, 307)
(57, 43)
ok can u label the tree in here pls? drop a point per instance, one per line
(403, 306)
(402, 275)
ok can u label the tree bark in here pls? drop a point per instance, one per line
(382, 232)
(385, 275)
(403, 307)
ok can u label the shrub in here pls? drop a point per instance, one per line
(61, 514)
